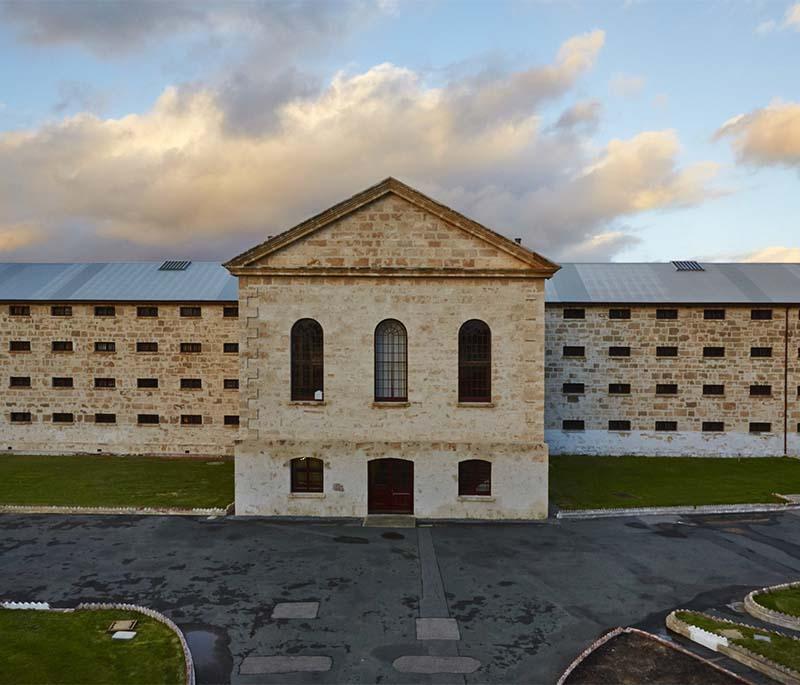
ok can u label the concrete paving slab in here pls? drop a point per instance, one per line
(436, 664)
(437, 629)
(296, 610)
(261, 665)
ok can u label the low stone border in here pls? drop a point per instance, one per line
(718, 643)
(92, 606)
(762, 613)
(698, 509)
(619, 631)
(138, 511)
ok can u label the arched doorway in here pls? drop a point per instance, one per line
(390, 486)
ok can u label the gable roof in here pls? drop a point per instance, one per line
(535, 261)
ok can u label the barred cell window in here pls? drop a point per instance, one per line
(713, 389)
(147, 347)
(193, 311)
(19, 310)
(62, 346)
(63, 382)
(191, 419)
(191, 383)
(63, 417)
(105, 418)
(230, 384)
(714, 314)
(231, 420)
(618, 313)
(306, 474)
(574, 351)
(105, 310)
(760, 314)
(148, 419)
(760, 390)
(147, 382)
(191, 348)
(146, 312)
(572, 388)
(105, 346)
(574, 313)
(19, 382)
(666, 351)
(572, 425)
(713, 351)
(19, 346)
(761, 352)
(105, 382)
(619, 388)
(391, 362)
(307, 357)
(619, 425)
(475, 478)
(619, 351)
(475, 362)
(230, 312)
(666, 425)
(230, 347)
(666, 313)
(20, 417)
(760, 427)
(713, 426)
(61, 310)
(666, 389)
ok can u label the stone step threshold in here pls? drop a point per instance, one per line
(263, 665)
(389, 521)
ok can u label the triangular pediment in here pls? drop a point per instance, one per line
(392, 227)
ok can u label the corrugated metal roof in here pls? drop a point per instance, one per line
(116, 282)
(662, 283)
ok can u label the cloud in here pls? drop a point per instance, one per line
(626, 85)
(790, 21)
(75, 95)
(15, 236)
(774, 254)
(766, 136)
(792, 18)
(583, 116)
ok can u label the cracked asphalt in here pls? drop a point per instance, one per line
(527, 597)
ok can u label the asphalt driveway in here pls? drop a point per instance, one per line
(526, 597)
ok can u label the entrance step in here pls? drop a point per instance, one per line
(389, 521)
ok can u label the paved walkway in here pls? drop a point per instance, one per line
(474, 603)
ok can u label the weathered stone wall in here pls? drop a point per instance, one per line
(125, 365)
(690, 370)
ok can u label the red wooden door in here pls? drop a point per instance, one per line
(390, 487)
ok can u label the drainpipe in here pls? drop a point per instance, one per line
(786, 385)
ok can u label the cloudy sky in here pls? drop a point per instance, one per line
(600, 130)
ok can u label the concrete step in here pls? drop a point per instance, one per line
(389, 521)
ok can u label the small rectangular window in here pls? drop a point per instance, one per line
(19, 346)
(61, 310)
(761, 314)
(191, 311)
(105, 382)
(760, 427)
(63, 417)
(714, 314)
(191, 383)
(231, 312)
(619, 388)
(230, 348)
(19, 310)
(191, 419)
(63, 382)
(105, 418)
(617, 313)
(573, 313)
(713, 351)
(760, 390)
(713, 426)
(712, 389)
(667, 351)
(574, 351)
(147, 382)
(666, 425)
(666, 389)
(619, 425)
(231, 420)
(666, 313)
(146, 312)
(62, 346)
(761, 352)
(20, 417)
(105, 346)
(191, 348)
(148, 419)
(230, 384)
(617, 351)
(105, 310)
(147, 347)
(19, 382)
(572, 388)
(572, 425)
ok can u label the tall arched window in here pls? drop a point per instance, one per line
(391, 362)
(474, 362)
(475, 477)
(307, 475)
(306, 360)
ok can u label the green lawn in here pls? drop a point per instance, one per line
(609, 482)
(786, 601)
(781, 649)
(104, 481)
(52, 648)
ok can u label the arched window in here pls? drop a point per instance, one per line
(474, 362)
(391, 362)
(307, 475)
(475, 477)
(306, 360)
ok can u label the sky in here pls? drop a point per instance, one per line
(605, 130)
